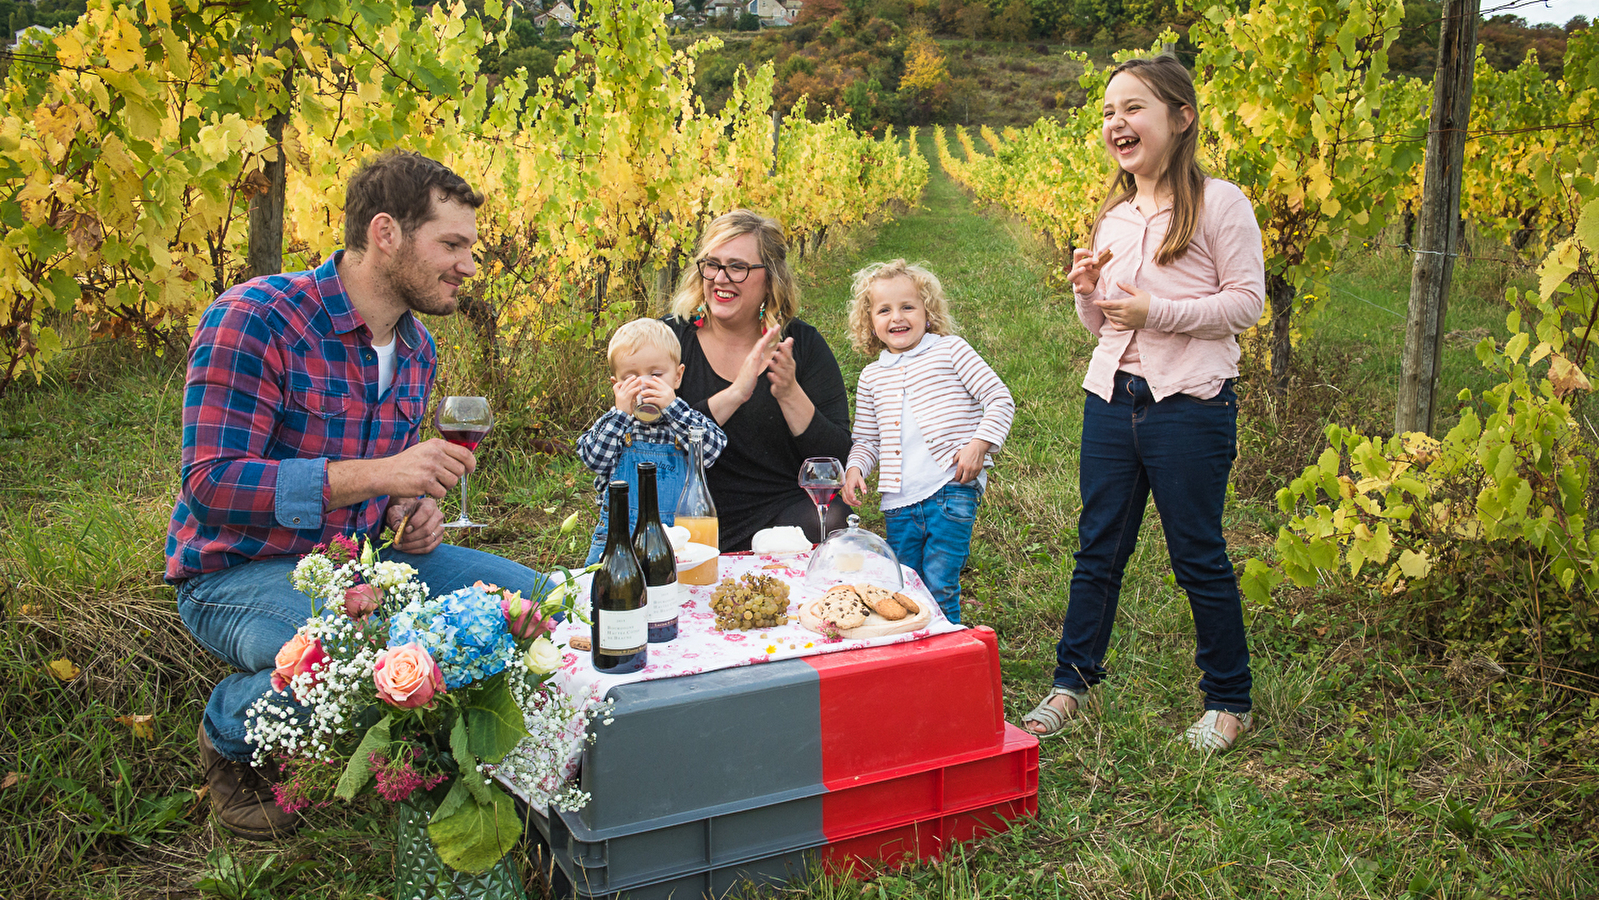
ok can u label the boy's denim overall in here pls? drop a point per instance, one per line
(671, 471)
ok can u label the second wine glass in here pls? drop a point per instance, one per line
(464, 421)
(822, 477)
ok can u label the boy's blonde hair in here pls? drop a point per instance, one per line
(633, 336)
(861, 335)
(782, 288)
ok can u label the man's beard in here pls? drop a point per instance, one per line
(421, 291)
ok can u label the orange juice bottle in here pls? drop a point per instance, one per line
(697, 512)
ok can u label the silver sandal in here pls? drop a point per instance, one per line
(1206, 734)
(1053, 720)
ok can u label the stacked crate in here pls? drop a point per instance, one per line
(848, 759)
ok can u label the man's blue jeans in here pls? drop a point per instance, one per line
(1181, 450)
(245, 614)
(933, 537)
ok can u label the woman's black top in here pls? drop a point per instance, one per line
(757, 476)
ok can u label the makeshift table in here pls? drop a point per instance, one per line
(749, 755)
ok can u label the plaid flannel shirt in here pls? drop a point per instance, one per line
(283, 379)
(601, 446)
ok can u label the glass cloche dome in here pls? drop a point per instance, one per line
(854, 555)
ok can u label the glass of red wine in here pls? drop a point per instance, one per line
(822, 477)
(464, 421)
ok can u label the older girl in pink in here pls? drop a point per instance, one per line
(1175, 274)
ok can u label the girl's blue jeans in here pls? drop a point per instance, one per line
(246, 613)
(1181, 451)
(933, 537)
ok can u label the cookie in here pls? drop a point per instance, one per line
(911, 606)
(882, 602)
(842, 606)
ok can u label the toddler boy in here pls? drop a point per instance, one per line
(648, 423)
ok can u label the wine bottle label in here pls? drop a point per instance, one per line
(664, 602)
(623, 630)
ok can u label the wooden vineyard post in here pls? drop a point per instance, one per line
(1437, 238)
(265, 253)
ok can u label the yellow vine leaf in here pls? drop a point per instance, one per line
(63, 669)
(123, 50)
(1414, 564)
(141, 726)
(1565, 377)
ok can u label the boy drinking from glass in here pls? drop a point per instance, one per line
(648, 423)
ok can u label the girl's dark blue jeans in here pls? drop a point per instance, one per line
(1181, 451)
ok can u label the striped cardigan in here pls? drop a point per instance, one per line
(955, 395)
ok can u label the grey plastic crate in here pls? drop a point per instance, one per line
(714, 843)
(770, 864)
(684, 749)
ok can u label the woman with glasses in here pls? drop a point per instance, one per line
(767, 378)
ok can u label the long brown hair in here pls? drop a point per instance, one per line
(1180, 172)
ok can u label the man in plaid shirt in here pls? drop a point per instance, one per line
(302, 418)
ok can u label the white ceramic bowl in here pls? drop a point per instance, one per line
(692, 554)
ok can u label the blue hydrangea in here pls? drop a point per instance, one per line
(463, 631)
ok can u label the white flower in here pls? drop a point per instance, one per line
(388, 575)
(542, 657)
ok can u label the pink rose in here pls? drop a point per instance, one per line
(522, 617)
(296, 658)
(361, 601)
(407, 676)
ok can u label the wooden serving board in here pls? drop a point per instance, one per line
(875, 625)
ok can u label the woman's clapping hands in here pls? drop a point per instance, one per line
(767, 354)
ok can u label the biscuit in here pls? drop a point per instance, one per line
(842, 607)
(911, 606)
(882, 602)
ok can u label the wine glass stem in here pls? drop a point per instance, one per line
(464, 516)
(821, 522)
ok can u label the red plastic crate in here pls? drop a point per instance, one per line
(889, 708)
(853, 806)
(926, 840)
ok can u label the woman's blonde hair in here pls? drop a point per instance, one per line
(632, 336)
(861, 335)
(782, 289)
(1180, 172)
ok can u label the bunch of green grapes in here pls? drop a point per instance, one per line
(753, 601)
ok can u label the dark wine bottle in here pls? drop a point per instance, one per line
(620, 616)
(656, 558)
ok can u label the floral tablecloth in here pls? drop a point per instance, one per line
(699, 647)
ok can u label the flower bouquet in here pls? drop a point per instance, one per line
(389, 688)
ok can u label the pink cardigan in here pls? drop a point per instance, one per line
(1198, 304)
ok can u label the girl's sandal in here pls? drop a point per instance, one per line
(1053, 720)
(1207, 735)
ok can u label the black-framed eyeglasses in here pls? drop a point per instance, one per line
(736, 271)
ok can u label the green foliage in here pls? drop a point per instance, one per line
(359, 770)
(1294, 103)
(472, 832)
(1482, 537)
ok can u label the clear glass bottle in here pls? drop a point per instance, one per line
(655, 557)
(697, 512)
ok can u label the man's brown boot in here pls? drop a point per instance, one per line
(242, 797)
